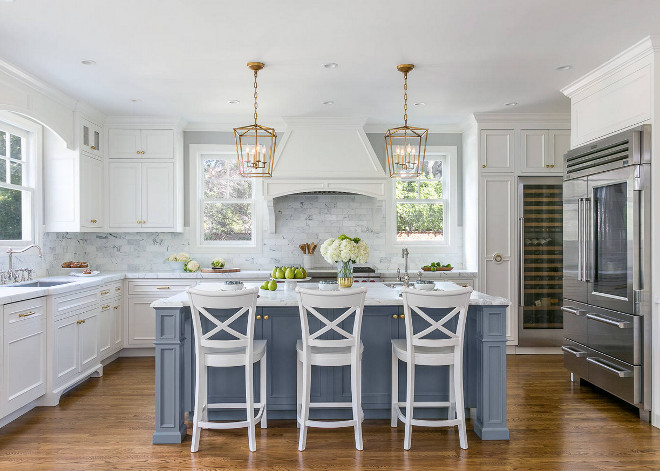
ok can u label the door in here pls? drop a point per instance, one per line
(117, 313)
(125, 194)
(141, 322)
(91, 192)
(124, 143)
(106, 330)
(574, 233)
(158, 195)
(614, 221)
(540, 321)
(534, 151)
(560, 143)
(497, 150)
(65, 349)
(157, 144)
(91, 138)
(89, 339)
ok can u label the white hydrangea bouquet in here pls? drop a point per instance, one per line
(345, 251)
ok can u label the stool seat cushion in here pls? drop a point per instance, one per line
(328, 356)
(233, 356)
(424, 355)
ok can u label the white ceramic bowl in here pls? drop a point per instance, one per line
(232, 285)
(426, 285)
(328, 285)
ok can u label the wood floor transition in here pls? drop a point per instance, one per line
(106, 423)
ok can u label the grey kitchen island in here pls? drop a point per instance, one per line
(278, 322)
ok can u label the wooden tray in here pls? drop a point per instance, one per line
(220, 270)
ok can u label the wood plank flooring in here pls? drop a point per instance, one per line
(106, 423)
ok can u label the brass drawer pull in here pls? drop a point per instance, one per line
(104, 292)
(117, 288)
(395, 316)
(163, 287)
(116, 307)
(107, 306)
(266, 317)
(26, 314)
(93, 147)
(258, 317)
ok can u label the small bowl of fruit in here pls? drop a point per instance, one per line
(437, 266)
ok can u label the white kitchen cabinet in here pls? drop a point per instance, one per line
(560, 143)
(496, 150)
(24, 354)
(118, 337)
(542, 150)
(106, 330)
(91, 136)
(65, 349)
(91, 191)
(141, 144)
(142, 196)
(110, 320)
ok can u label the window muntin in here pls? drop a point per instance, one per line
(421, 204)
(226, 213)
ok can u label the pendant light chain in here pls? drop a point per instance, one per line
(255, 97)
(405, 99)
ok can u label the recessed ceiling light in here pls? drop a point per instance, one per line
(88, 62)
(233, 102)
(135, 100)
(562, 68)
(420, 103)
(330, 65)
(329, 102)
(511, 103)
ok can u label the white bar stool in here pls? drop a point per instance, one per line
(240, 350)
(312, 350)
(418, 350)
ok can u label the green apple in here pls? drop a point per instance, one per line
(290, 273)
(299, 274)
(272, 285)
(279, 273)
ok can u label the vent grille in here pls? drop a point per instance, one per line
(612, 152)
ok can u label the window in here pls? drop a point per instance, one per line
(223, 211)
(423, 211)
(17, 175)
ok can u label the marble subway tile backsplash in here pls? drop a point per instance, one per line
(299, 218)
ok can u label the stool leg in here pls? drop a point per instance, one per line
(298, 391)
(410, 398)
(395, 389)
(460, 407)
(356, 403)
(199, 402)
(249, 401)
(451, 413)
(203, 381)
(304, 410)
(262, 393)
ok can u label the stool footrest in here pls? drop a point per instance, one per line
(330, 423)
(231, 405)
(427, 404)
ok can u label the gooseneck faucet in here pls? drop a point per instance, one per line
(11, 253)
(406, 276)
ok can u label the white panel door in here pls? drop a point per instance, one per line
(65, 339)
(560, 143)
(497, 150)
(125, 194)
(91, 192)
(158, 144)
(498, 243)
(89, 339)
(106, 330)
(158, 195)
(117, 336)
(534, 151)
(124, 143)
(141, 322)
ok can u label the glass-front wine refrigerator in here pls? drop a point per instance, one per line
(541, 262)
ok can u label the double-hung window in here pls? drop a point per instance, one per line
(17, 186)
(224, 212)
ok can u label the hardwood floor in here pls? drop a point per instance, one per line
(106, 423)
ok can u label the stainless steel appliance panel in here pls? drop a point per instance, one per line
(617, 377)
(616, 334)
(575, 233)
(575, 358)
(575, 321)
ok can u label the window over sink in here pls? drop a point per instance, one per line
(223, 206)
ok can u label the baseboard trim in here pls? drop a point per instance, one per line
(138, 352)
(17, 413)
(534, 350)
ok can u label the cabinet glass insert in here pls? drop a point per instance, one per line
(610, 213)
(542, 264)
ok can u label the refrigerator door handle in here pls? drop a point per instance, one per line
(521, 263)
(580, 224)
(588, 262)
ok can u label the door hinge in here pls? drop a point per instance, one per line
(637, 179)
(638, 297)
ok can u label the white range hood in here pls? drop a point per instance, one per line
(319, 155)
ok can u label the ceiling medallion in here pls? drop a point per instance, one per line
(405, 145)
(255, 144)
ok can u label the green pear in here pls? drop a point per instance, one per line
(264, 285)
(274, 272)
(279, 273)
(299, 274)
(304, 272)
(272, 285)
(290, 274)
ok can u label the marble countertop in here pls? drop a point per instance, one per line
(263, 274)
(15, 292)
(377, 294)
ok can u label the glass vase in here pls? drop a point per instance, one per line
(345, 274)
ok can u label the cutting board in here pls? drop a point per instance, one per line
(221, 270)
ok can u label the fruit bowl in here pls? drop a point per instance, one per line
(290, 283)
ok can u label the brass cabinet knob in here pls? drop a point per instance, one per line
(552, 165)
(547, 166)
(483, 166)
(117, 288)
(137, 152)
(105, 292)
(93, 147)
(116, 307)
(266, 317)
(258, 317)
(402, 316)
(395, 316)
(142, 152)
(139, 222)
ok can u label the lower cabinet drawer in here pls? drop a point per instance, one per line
(575, 358)
(615, 334)
(575, 321)
(162, 289)
(617, 377)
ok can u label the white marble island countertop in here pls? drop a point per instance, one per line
(377, 294)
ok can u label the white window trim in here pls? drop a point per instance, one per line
(195, 152)
(34, 150)
(450, 211)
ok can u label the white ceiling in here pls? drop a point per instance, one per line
(187, 58)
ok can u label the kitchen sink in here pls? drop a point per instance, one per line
(38, 284)
(395, 284)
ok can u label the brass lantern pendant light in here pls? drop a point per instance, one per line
(255, 144)
(405, 145)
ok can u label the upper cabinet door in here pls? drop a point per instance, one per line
(91, 192)
(497, 150)
(124, 195)
(158, 195)
(90, 138)
(534, 156)
(124, 144)
(157, 144)
(560, 143)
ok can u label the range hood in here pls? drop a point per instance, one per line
(324, 156)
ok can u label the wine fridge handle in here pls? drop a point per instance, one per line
(521, 263)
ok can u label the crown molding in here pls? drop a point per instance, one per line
(225, 126)
(646, 47)
(145, 121)
(482, 118)
(433, 129)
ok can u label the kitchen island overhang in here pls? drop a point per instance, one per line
(279, 323)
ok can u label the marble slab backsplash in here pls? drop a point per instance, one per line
(299, 218)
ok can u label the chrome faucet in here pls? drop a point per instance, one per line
(406, 276)
(12, 274)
